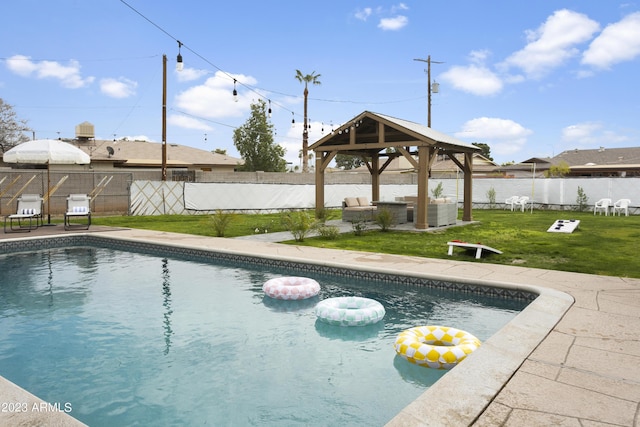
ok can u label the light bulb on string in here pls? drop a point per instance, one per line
(179, 63)
(235, 92)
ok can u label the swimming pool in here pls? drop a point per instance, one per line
(193, 342)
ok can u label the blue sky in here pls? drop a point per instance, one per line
(527, 78)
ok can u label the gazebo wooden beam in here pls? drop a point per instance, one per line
(372, 145)
(407, 155)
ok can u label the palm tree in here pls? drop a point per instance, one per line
(313, 79)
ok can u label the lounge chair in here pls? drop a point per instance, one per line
(29, 208)
(602, 205)
(620, 206)
(78, 206)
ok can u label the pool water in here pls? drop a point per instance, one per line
(125, 338)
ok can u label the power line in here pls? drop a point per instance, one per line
(183, 45)
(256, 89)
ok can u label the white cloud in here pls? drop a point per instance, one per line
(118, 88)
(393, 24)
(391, 19)
(137, 138)
(590, 134)
(68, 75)
(398, 7)
(190, 74)
(187, 122)
(618, 42)
(363, 14)
(553, 43)
(214, 99)
(474, 79)
(504, 137)
(479, 56)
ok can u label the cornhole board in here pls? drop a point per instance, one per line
(564, 226)
(477, 246)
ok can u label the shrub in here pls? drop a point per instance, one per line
(299, 223)
(329, 232)
(582, 200)
(491, 195)
(323, 214)
(437, 192)
(359, 226)
(384, 219)
(220, 221)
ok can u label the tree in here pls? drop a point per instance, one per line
(254, 142)
(559, 170)
(219, 151)
(11, 128)
(309, 156)
(347, 162)
(486, 150)
(313, 79)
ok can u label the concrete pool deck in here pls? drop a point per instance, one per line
(571, 358)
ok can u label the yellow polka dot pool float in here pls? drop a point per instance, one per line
(291, 288)
(349, 311)
(438, 347)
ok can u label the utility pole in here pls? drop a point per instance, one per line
(430, 89)
(164, 117)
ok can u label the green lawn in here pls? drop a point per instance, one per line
(600, 245)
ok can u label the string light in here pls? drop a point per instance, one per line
(179, 64)
(235, 92)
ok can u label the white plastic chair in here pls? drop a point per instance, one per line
(602, 205)
(620, 206)
(510, 202)
(522, 202)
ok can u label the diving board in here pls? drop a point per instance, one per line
(477, 246)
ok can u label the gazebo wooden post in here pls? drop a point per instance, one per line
(375, 176)
(468, 187)
(319, 183)
(423, 188)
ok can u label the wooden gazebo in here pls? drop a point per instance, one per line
(376, 137)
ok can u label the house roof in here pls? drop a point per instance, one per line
(149, 154)
(599, 157)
